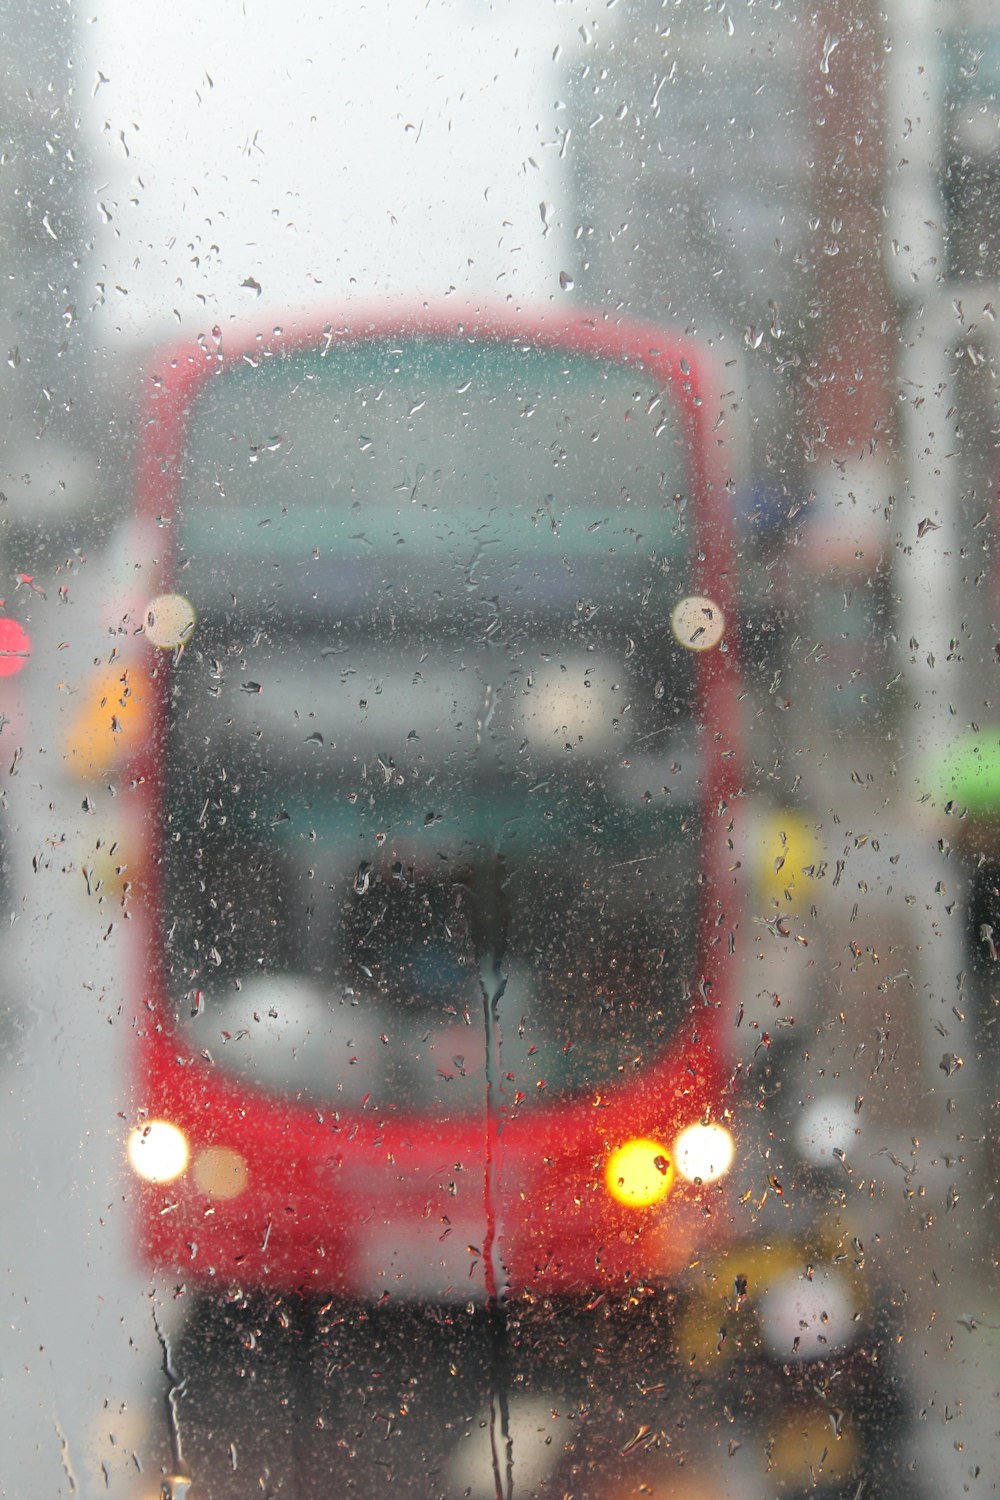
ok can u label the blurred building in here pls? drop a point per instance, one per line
(691, 163)
(45, 437)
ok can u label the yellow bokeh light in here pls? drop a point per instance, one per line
(221, 1172)
(157, 1151)
(787, 849)
(698, 623)
(639, 1173)
(169, 621)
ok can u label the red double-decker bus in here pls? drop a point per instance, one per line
(435, 896)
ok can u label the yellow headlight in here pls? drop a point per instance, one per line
(639, 1173)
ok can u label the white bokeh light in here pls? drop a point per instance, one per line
(157, 1151)
(704, 1153)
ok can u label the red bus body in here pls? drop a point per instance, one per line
(374, 1203)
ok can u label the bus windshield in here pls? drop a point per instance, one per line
(430, 742)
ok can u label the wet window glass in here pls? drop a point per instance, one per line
(499, 748)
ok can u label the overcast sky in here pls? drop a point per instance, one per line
(325, 153)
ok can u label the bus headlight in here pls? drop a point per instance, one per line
(698, 623)
(157, 1151)
(170, 621)
(704, 1153)
(572, 700)
(808, 1317)
(220, 1172)
(639, 1173)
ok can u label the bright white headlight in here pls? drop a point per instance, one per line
(157, 1151)
(704, 1153)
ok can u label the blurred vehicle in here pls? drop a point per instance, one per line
(432, 703)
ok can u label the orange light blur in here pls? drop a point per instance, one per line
(112, 722)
